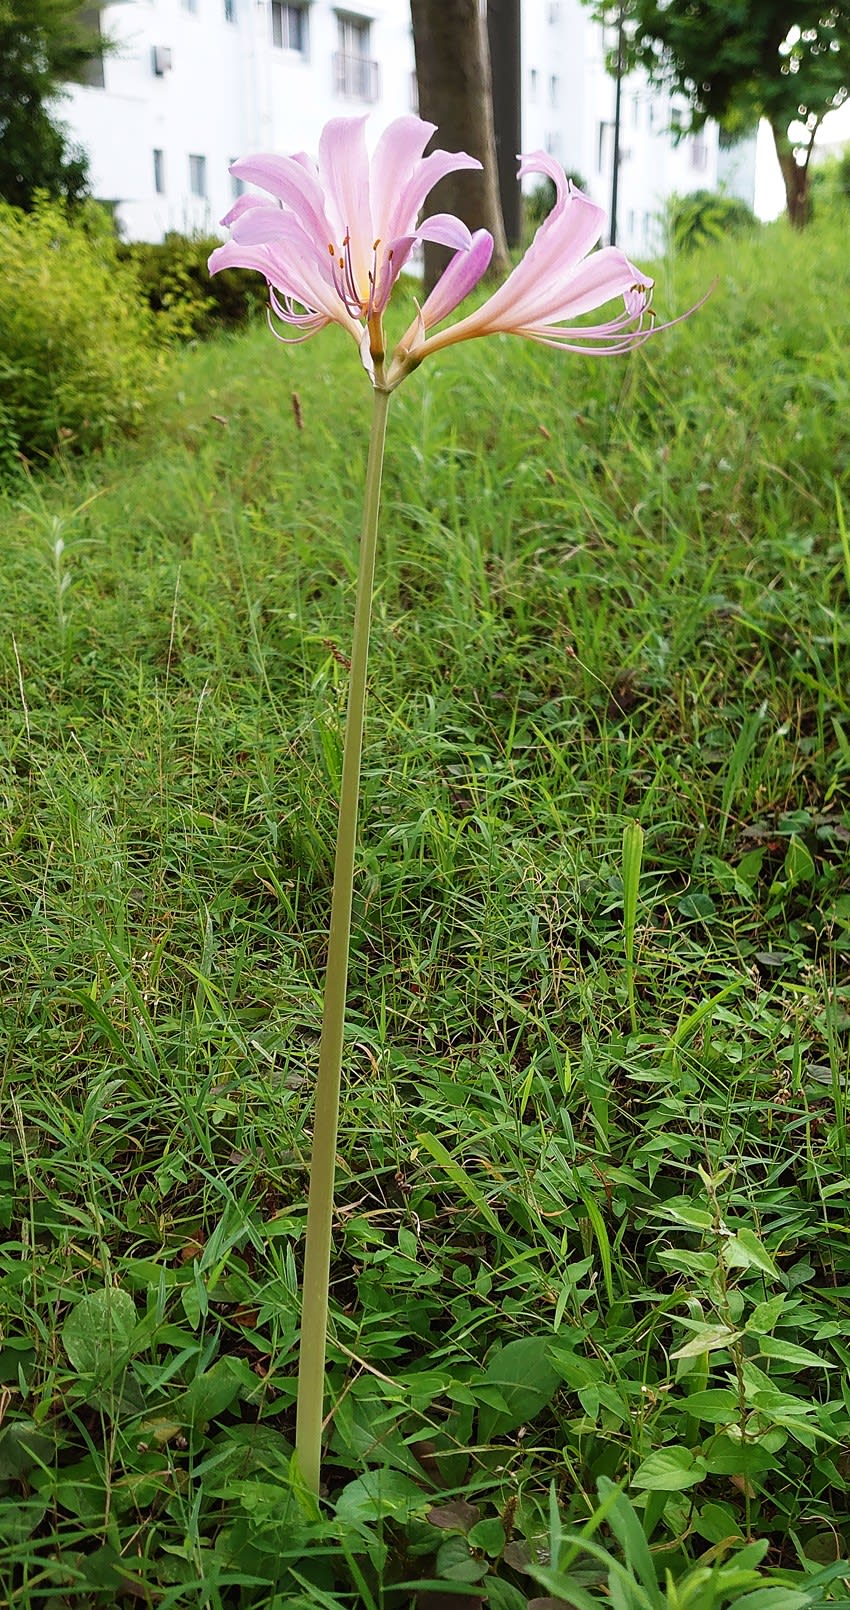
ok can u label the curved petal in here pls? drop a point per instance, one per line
(445, 230)
(427, 173)
(599, 279)
(265, 222)
(242, 204)
(232, 255)
(289, 182)
(344, 176)
(563, 239)
(290, 244)
(394, 162)
(293, 272)
(462, 275)
(441, 228)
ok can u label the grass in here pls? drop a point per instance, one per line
(591, 1276)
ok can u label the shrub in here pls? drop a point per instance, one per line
(830, 184)
(75, 338)
(706, 215)
(176, 282)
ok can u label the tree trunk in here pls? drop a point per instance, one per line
(795, 176)
(453, 75)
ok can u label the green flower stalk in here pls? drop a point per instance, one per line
(317, 1252)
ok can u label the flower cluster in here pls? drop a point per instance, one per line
(337, 232)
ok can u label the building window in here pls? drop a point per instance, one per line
(230, 10)
(289, 27)
(355, 72)
(159, 172)
(237, 186)
(699, 153)
(553, 90)
(198, 175)
(635, 111)
(601, 144)
(532, 84)
(191, 5)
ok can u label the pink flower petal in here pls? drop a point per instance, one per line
(341, 229)
(563, 239)
(461, 276)
(242, 204)
(427, 173)
(394, 163)
(289, 182)
(293, 272)
(599, 279)
(344, 175)
(445, 230)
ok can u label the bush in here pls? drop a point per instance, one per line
(830, 184)
(706, 215)
(176, 282)
(76, 356)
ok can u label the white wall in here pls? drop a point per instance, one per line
(230, 91)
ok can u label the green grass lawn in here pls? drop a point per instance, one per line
(593, 1160)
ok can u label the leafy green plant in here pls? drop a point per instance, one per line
(596, 628)
(75, 341)
(705, 216)
(179, 289)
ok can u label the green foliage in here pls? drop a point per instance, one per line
(75, 338)
(590, 1281)
(831, 184)
(843, 173)
(44, 44)
(178, 287)
(704, 217)
(785, 60)
(780, 59)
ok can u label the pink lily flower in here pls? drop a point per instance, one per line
(337, 233)
(555, 281)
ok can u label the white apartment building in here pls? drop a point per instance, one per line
(195, 83)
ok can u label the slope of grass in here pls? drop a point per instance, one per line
(592, 1167)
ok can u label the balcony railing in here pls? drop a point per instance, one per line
(356, 77)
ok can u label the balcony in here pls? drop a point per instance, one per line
(356, 78)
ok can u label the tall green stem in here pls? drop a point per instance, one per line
(317, 1252)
